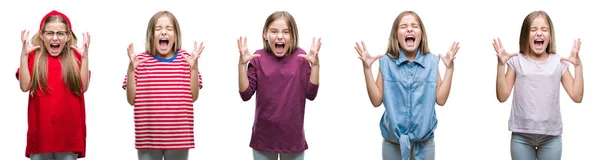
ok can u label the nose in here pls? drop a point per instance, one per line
(163, 32)
(279, 36)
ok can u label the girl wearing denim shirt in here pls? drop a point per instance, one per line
(536, 74)
(409, 85)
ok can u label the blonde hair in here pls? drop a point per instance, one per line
(69, 63)
(293, 29)
(525, 30)
(393, 48)
(150, 48)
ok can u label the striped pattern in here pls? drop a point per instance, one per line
(164, 113)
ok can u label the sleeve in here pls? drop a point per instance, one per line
(252, 81)
(563, 66)
(200, 81)
(311, 89)
(30, 59)
(513, 62)
(125, 83)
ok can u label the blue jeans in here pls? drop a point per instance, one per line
(260, 155)
(54, 156)
(524, 146)
(391, 150)
(159, 154)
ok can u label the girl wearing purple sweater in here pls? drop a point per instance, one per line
(283, 77)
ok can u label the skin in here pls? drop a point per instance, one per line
(409, 26)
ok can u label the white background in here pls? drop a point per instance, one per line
(341, 123)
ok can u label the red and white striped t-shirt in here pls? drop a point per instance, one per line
(163, 107)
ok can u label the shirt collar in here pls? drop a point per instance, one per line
(403, 59)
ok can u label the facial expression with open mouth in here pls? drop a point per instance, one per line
(539, 35)
(55, 35)
(164, 37)
(278, 36)
(409, 34)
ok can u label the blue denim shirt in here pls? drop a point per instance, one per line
(409, 93)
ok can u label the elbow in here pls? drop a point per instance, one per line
(578, 99)
(311, 97)
(501, 99)
(441, 103)
(377, 103)
(245, 98)
(24, 89)
(131, 102)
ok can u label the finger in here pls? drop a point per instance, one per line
(378, 56)
(578, 44)
(302, 55)
(239, 42)
(201, 48)
(357, 51)
(500, 43)
(35, 48)
(319, 45)
(358, 48)
(245, 42)
(364, 46)
(74, 47)
(313, 45)
(23, 35)
(144, 60)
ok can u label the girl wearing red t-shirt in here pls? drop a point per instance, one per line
(55, 73)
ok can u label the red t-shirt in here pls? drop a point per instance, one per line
(163, 107)
(56, 120)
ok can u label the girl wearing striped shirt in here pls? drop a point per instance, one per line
(162, 84)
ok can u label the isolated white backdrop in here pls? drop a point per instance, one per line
(340, 123)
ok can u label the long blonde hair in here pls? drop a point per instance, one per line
(525, 31)
(393, 48)
(69, 63)
(150, 48)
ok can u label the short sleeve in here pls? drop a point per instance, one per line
(513, 62)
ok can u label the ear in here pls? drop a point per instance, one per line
(265, 36)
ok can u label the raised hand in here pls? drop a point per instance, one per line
(245, 55)
(503, 56)
(27, 46)
(574, 57)
(313, 55)
(193, 59)
(83, 51)
(133, 60)
(364, 55)
(448, 59)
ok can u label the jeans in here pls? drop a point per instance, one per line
(260, 155)
(391, 150)
(524, 146)
(54, 156)
(159, 154)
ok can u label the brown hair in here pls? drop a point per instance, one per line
(69, 63)
(150, 48)
(293, 29)
(393, 48)
(525, 30)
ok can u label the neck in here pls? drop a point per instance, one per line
(535, 56)
(166, 56)
(410, 55)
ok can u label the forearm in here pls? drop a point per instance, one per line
(314, 74)
(578, 84)
(131, 85)
(84, 74)
(194, 83)
(374, 93)
(501, 86)
(444, 91)
(24, 77)
(242, 77)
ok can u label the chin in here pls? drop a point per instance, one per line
(279, 54)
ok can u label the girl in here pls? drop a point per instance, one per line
(162, 84)
(55, 73)
(283, 77)
(408, 84)
(536, 74)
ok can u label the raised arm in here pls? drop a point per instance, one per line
(313, 58)
(574, 86)
(192, 60)
(443, 87)
(24, 76)
(83, 52)
(131, 79)
(374, 88)
(244, 83)
(504, 80)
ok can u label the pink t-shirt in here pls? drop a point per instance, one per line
(536, 106)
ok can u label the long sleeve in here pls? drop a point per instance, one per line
(252, 81)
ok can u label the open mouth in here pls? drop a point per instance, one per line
(279, 46)
(163, 43)
(538, 43)
(410, 40)
(54, 47)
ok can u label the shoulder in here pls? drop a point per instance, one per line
(260, 52)
(143, 55)
(299, 51)
(183, 52)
